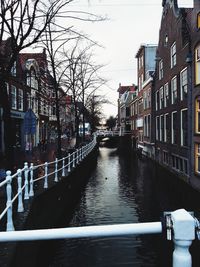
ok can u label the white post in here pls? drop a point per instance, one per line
(184, 233)
(69, 163)
(79, 154)
(73, 159)
(9, 226)
(56, 171)
(76, 156)
(31, 191)
(20, 207)
(46, 175)
(83, 152)
(26, 195)
(63, 167)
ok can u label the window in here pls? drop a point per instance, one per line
(14, 69)
(180, 164)
(149, 98)
(161, 128)
(197, 64)
(160, 67)
(184, 125)
(173, 55)
(157, 127)
(140, 61)
(166, 157)
(174, 127)
(166, 127)
(148, 125)
(145, 99)
(157, 100)
(20, 99)
(166, 95)
(183, 84)
(28, 100)
(161, 98)
(7, 88)
(197, 115)
(198, 21)
(145, 125)
(197, 158)
(13, 97)
(174, 90)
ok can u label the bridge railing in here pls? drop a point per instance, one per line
(113, 133)
(181, 224)
(31, 174)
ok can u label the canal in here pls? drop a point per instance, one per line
(122, 189)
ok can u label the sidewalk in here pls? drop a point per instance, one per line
(38, 155)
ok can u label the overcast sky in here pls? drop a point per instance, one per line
(130, 24)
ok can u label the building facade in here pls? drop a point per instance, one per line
(145, 69)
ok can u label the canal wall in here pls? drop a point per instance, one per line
(53, 208)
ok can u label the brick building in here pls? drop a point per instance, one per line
(171, 92)
(145, 69)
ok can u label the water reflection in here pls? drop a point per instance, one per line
(122, 189)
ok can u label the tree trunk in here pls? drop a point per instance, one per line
(8, 133)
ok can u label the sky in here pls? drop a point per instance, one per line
(130, 23)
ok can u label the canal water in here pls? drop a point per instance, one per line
(124, 189)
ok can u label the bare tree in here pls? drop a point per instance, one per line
(81, 79)
(94, 105)
(22, 24)
(89, 80)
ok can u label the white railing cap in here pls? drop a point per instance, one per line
(183, 225)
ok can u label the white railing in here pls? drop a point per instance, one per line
(112, 133)
(180, 223)
(29, 175)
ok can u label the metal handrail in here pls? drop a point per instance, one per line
(26, 179)
(180, 220)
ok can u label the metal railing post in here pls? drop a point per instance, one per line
(73, 159)
(31, 192)
(46, 175)
(76, 156)
(184, 232)
(69, 162)
(63, 167)
(56, 171)
(9, 225)
(20, 207)
(26, 195)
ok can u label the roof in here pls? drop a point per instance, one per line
(125, 88)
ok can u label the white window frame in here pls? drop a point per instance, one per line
(182, 110)
(165, 126)
(157, 129)
(173, 86)
(183, 82)
(161, 96)
(13, 97)
(161, 130)
(173, 54)
(172, 127)
(166, 94)
(160, 67)
(20, 99)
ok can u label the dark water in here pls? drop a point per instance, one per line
(123, 189)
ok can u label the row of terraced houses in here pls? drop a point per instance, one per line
(32, 96)
(163, 111)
